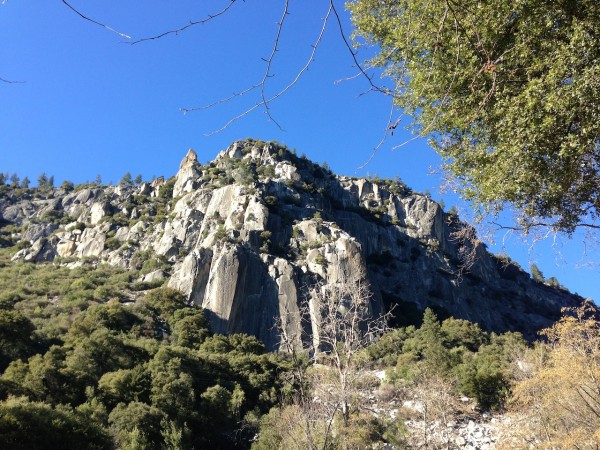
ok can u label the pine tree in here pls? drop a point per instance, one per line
(42, 180)
(14, 180)
(126, 180)
(536, 273)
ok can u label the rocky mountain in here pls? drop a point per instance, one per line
(248, 236)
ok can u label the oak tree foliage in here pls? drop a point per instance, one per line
(509, 92)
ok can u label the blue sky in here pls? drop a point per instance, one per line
(91, 104)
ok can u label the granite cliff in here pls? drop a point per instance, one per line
(248, 235)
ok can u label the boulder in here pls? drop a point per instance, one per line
(37, 231)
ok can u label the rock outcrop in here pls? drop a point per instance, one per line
(247, 235)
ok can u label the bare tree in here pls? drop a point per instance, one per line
(331, 387)
(343, 324)
(435, 405)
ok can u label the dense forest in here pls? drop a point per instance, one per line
(92, 357)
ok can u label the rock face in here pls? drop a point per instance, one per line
(247, 236)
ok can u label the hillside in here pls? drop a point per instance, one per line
(142, 315)
(248, 235)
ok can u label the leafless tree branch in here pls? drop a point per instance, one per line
(358, 65)
(11, 81)
(342, 324)
(269, 62)
(366, 66)
(221, 101)
(189, 25)
(388, 129)
(265, 99)
(525, 229)
(466, 238)
(95, 21)
(350, 78)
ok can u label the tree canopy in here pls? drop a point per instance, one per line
(510, 92)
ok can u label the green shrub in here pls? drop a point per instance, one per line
(220, 233)
(27, 425)
(320, 259)
(165, 301)
(266, 241)
(271, 201)
(112, 244)
(165, 192)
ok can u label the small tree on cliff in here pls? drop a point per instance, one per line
(536, 273)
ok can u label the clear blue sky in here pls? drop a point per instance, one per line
(91, 104)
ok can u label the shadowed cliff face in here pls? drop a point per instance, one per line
(249, 235)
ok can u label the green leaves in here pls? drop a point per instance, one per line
(150, 374)
(26, 425)
(508, 90)
(15, 336)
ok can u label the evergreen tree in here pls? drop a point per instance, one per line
(126, 180)
(553, 281)
(536, 273)
(14, 180)
(67, 185)
(42, 180)
(435, 354)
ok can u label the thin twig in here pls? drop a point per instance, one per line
(11, 81)
(386, 133)
(221, 101)
(96, 22)
(543, 224)
(406, 142)
(185, 27)
(350, 78)
(269, 61)
(358, 65)
(366, 67)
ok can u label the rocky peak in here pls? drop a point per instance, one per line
(190, 159)
(187, 174)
